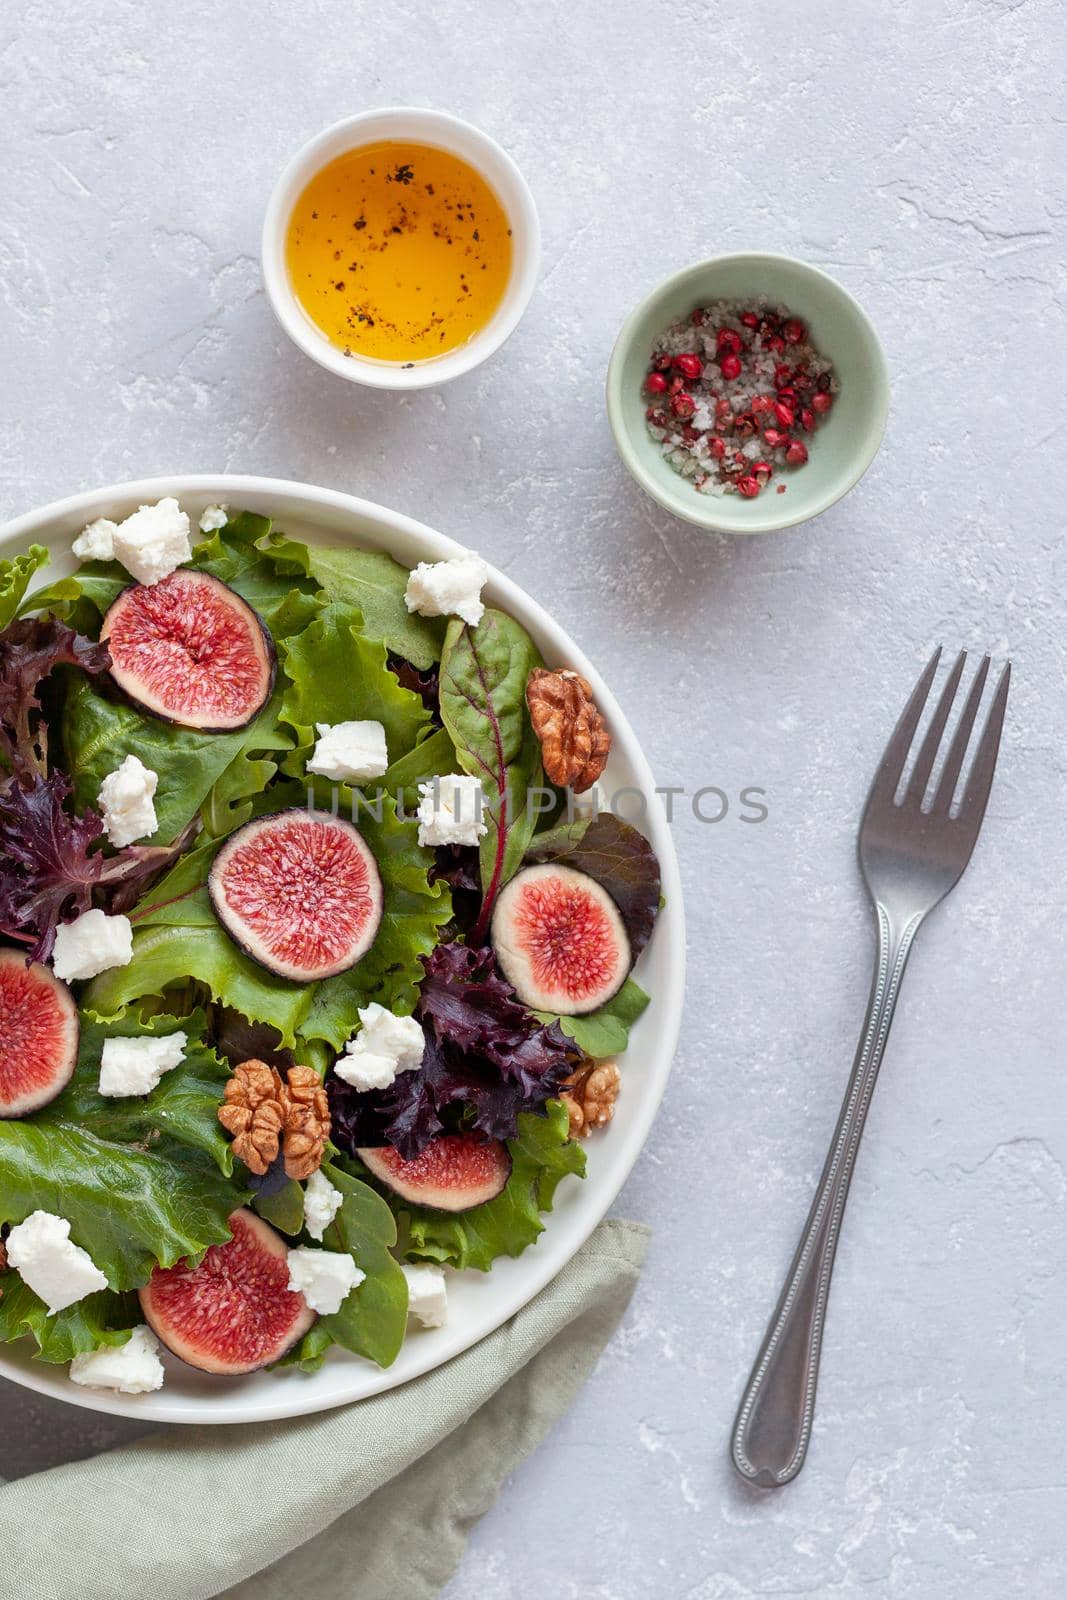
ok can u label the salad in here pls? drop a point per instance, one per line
(313, 970)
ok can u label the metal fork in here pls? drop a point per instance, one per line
(911, 854)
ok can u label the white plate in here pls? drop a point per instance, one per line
(478, 1302)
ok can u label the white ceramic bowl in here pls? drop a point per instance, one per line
(478, 1302)
(424, 127)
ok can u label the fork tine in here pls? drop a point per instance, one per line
(924, 764)
(946, 786)
(891, 765)
(980, 778)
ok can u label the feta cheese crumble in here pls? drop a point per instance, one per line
(96, 542)
(450, 810)
(131, 1368)
(322, 1202)
(135, 1066)
(384, 1046)
(365, 1070)
(349, 752)
(324, 1277)
(153, 541)
(59, 1272)
(127, 802)
(212, 518)
(443, 588)
(92, 943)
(427, 1295)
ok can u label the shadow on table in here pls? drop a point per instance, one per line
(39, 1433)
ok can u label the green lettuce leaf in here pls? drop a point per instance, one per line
(542, 1156)
(283, 1210)
(177, 936)
(15, 576)
(215, 774)
(238, 555)
(83, 596)
(182, 1111)
(374, 584)
(373, 1318)
(98, 1319)
(605, 1032)
(141, 1180)
(433, 757)
(484, 671)
(336, 674)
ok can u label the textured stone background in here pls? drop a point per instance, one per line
(916, 149)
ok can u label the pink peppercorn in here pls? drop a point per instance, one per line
(753, 391)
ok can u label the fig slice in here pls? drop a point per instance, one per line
(39, 1035)
(456, 1172)
(191, 651)
(300, 892)
(560, 940)
(235, 1312)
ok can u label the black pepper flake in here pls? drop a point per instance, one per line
(477, 236)
(359, 224)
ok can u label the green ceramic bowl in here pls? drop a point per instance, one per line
(844, 445)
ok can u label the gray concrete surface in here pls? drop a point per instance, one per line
(914, 148)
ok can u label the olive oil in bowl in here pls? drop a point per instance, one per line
(399, 251)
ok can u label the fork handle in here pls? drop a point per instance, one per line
(773, 1426)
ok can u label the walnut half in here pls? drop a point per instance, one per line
(590, 1094)
(575, 742)
(266, 1114)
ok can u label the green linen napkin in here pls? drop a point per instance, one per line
(371, 1501)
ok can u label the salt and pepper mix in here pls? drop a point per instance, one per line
(736, 393)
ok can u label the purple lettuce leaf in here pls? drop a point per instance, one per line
(427, 685)
(458, 866)
(486, 1060)
(51, 863)
(30, 650)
